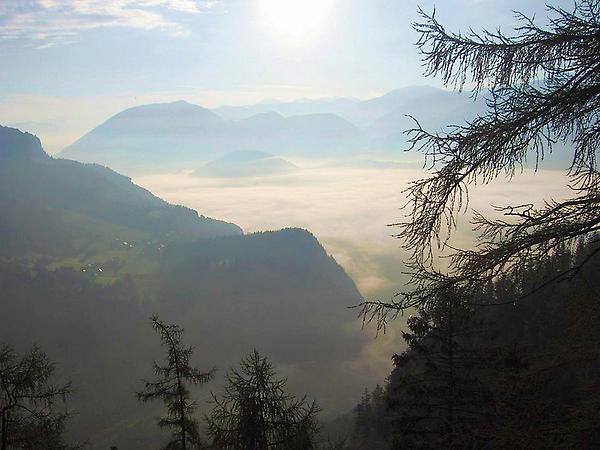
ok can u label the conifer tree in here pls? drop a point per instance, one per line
(29, 417)
(171, 385)
(256, 413)
(543, 95)
(371, 428)
(436, 396)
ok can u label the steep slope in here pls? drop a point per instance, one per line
(61, 208)
(65, 225)
(143, 136)
(16, 145)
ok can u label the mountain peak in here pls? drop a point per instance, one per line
(246, 163)
(16, 144)
(164, 109)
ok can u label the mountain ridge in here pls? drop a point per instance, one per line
(15, 144)
(179, 135)
(246, 164)
(142, 136)
(88, 195)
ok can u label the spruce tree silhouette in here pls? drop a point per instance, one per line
(255, 412)
(171, 386)
(28, 414)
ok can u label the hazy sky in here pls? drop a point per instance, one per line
(69, 64)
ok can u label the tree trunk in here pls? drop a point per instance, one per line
(4, 439)
(451, 380)
(181, 411)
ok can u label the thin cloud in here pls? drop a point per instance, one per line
(48, 22)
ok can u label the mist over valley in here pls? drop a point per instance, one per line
(299, 225)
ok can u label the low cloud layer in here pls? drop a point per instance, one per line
(348, 209)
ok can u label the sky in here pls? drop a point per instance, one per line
(68, 65)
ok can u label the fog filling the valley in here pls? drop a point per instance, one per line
(347, 207)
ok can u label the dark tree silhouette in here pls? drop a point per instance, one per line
(255, 412)
(28, 414)
(545, 377)
(436, 396)
(371, 427)
(544, 95)
(523, 374)
(171, 386)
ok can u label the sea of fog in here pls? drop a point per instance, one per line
(348, 207)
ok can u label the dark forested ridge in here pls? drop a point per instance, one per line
(124, 320)
(503, 338)
(59, 207)
(521, 373)
(87, 256)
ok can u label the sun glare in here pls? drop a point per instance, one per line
(295, 20)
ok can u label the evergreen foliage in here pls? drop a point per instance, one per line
(371, 428)
(521, 373)
(29, 416)
(529, 380)
(170, 386)
(256, 413)
(436, 395)
(544, 96)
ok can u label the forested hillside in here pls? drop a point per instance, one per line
(502, 340)
(521, 372)
(54, 207)
(87, 257)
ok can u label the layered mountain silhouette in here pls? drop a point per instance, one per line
(86, 257)
(430, 105)
(181, 135)
(174, 135)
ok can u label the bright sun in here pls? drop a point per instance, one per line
(296, 20)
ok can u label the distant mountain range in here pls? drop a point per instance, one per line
(181, 135)
(86, 256)
(362, 113)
